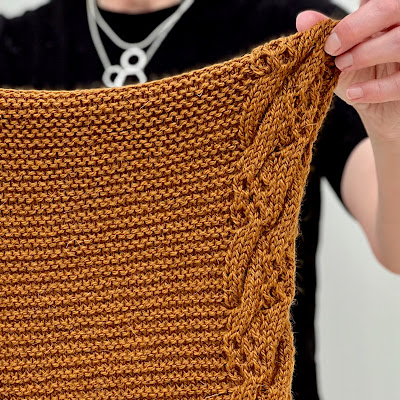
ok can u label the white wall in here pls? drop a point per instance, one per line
(358, 317)
(11, 8)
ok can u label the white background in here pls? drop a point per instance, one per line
(358, 314)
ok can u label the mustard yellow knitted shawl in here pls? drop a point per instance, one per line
(147, 233)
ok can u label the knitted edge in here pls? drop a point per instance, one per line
(259, 340)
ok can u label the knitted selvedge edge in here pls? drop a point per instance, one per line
(282, 91)
(257, 346)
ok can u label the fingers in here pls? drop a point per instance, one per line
(376, 90)
(380, 50)
(373, 16)
(306, 19)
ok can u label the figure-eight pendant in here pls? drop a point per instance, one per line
(126, 68)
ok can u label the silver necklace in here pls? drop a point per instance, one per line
(125, 68)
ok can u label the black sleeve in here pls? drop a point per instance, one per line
(342, 129)
(15, 57)
(31, 49)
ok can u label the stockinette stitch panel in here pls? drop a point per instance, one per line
(148, 232)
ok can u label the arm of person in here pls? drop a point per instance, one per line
(365, 46)
(370, 188)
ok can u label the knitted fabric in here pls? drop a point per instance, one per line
(148, 232)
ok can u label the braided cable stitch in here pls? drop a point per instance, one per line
(148, 232)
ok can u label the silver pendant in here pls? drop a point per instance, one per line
(126, 69)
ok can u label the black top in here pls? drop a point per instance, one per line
(51, 48)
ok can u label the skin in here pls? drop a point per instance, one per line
(136, 6)
(370, 38)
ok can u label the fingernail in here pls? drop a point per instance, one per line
(344, 61)
(332, 43)
(354, 93)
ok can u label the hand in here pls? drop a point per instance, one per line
(366, 44)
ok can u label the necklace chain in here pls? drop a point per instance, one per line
(152, 41)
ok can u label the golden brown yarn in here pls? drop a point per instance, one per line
(148, 232)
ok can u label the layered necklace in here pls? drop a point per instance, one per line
(116, 75)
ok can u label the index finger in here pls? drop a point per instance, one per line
(372, 17)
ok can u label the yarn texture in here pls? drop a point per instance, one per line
(147, 233)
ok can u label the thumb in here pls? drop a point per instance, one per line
(306, 19)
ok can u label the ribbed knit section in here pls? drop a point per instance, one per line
(148, 232)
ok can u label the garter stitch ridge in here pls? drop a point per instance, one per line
(148, 232)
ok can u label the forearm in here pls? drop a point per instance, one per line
(387, 221)
(371, 192)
